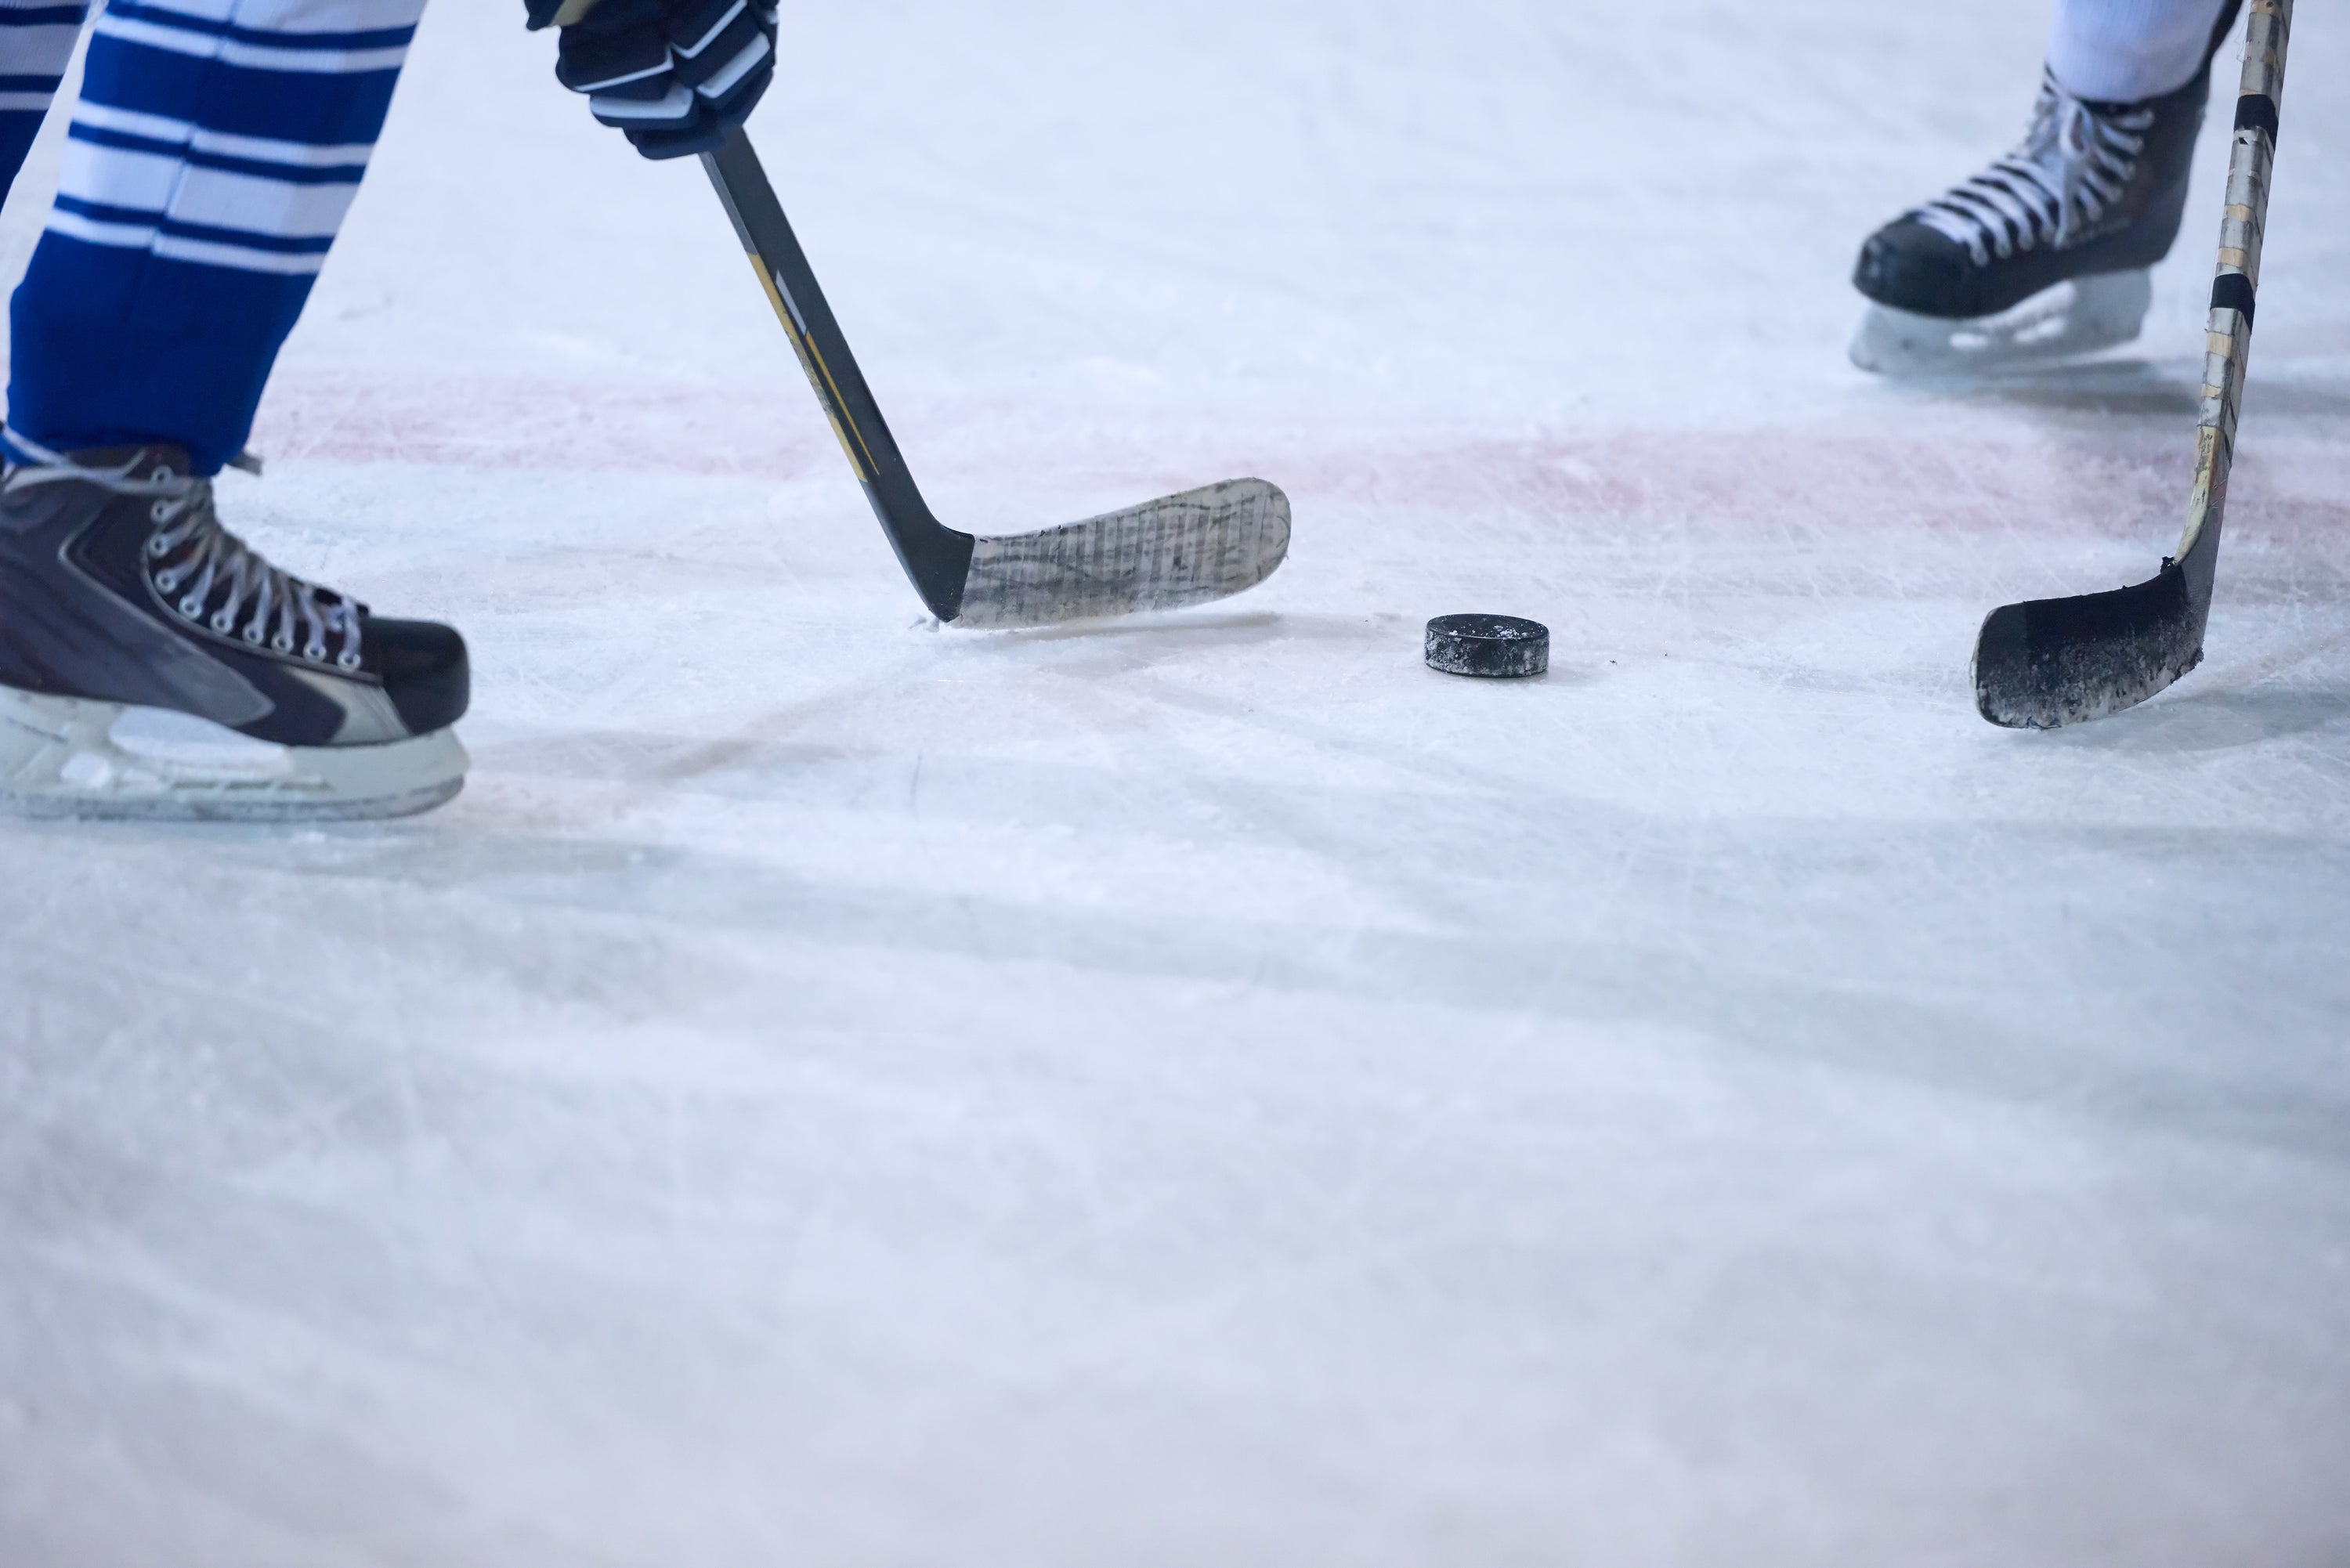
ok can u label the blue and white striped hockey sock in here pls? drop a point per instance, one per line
(37, 39)
(215, 150)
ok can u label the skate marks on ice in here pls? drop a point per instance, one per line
(1950, 479)
(2145, 390)
(1409, 931)
(540, 422)
(901, 1287)
(769, 752)
(1180, 862)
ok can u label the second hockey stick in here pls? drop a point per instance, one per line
(2057, 662)
(1183, 549)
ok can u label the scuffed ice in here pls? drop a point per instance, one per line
(1203, 1088)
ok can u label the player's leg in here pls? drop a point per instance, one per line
(2131, 51)
(2045, 252)
(36, 40)
(208, 166)
(206, 169)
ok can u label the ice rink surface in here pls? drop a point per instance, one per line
(1207, 1090)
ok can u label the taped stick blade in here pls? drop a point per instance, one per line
(1200, 546)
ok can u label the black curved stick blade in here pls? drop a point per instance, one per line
(2058, 661)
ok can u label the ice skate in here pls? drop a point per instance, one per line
(2044, 255)
(153, 665)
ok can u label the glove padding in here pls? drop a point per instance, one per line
(674, 75)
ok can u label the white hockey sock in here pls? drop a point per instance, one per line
(2125, 50)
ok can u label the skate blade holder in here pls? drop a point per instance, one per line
(2079, 316)
(64, 756)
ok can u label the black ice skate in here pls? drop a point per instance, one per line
(121, 595)
(2043, 255)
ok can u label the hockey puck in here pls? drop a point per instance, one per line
(1488, 645)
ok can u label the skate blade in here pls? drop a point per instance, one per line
(2077, 316)
(67, 757)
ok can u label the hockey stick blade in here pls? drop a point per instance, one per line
(2050, 662)
(1204, 544)
(1182, 549)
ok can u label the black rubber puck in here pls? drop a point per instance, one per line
(1488, 645)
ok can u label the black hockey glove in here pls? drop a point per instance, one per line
(675, 75)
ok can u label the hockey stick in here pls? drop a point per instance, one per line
(2057, 662)
(1182, 549)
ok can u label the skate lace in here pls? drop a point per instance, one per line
(2074, 164)
(206, 574)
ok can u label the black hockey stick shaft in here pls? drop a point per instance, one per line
(936, 558)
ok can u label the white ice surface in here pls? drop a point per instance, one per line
(1209, 1091)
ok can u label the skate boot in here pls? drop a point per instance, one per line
(2043, 255)
(152, 665)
